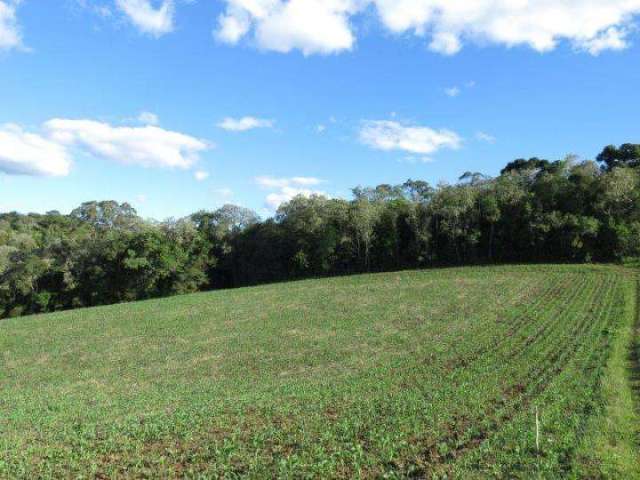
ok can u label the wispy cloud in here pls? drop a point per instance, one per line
(244, 124)
(452, 91)
(148, 118)
(10, 36)
(485, 137)
(201, 175)
(275, 182)
(456, 90)
(223, 192)
(413, 159)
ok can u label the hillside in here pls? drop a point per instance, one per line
(421, 373)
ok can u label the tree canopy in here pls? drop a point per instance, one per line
(536, 210)
(627, 155)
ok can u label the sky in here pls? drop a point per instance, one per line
(180, 105)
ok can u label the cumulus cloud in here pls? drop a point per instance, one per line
(274, 200)
(390, 135)
(325, 26)
(286, 194)
(24, 153)
(48, 152)
(612, 39)
(233, 26)
(9, 31)
(311, 26)
(148, 146)
(244, 124)
(153, 19)
(287, 188)
(539, 24)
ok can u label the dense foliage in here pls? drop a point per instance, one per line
(536, 210)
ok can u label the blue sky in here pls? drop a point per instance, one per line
(180, 105)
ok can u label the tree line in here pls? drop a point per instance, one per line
(535, 211)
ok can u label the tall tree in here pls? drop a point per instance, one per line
(627, 155)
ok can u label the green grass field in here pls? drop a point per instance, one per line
(426, 374)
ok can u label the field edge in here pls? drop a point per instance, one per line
(611, 444)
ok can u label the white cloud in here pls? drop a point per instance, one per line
(286, 194)
(611, 39)
(103, 11)
(147, 146)
(321, 128)
(9, 31)
(148, 118)
(153, 19)
(446, 43)
(452, 91)
(306, 181)
(274, 182)
(233, 25)
(287, 189)
(485, 137)
(456, 90)
(201, 175)
(390, 135)
(24, 153)
(141, 198)
(539, 24)
(48, 153)
(244, 124)
(311, 26)
(325, 26)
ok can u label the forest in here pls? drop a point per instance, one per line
(535, 211)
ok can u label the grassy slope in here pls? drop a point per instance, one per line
(416, 373)
(611, 447)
